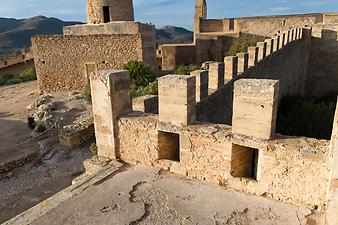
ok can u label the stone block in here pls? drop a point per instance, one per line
(243, 60)
(269, 46)
(146, 104)
(276, 41)
(177, 99)
(230, 68)
(284, 38)
(255, 107)
(216, 75)
(253, 56)
(111, 99)
(202, 82)
(261, 50)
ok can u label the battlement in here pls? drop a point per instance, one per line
(24, 56)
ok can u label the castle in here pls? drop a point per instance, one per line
(217, 124)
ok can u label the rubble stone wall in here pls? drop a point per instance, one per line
(286, 166)
(60, 61)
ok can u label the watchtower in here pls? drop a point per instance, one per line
(200, 13)
(104, 11)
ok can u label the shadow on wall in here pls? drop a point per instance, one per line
(307, 116)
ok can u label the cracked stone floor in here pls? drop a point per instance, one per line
(145, 195)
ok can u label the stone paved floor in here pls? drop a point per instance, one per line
(144, 195)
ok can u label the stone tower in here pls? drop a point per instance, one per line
(200, 13)
(104, 11)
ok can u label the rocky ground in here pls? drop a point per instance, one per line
(47, 166)
(148, 196)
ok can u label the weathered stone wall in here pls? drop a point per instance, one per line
(175, 55)
(288, 65)
(263, 25)
(286, 166)
(120, 10)
(60, 61)
(16, 68)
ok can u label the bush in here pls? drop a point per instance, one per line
(14, 80)
(186, 69)
(5, 78)
(241, 46)
(140, 74)
(137, 91)
(93, 148)
(309, 117)
(28, 75)
(87, 95)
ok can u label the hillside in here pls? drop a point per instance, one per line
(170, 35)
(17, 33)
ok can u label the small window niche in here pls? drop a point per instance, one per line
(169, 146)
(232, 24)
(106, 14)
(244, 162)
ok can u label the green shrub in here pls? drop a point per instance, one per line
(28, 75)
(87, 95)
(140, 74)
(137, 91)
(93, 148)
(186, 69)
(309, 117)
(241, 46)
(14, 80)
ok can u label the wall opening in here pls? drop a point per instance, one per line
(244, 162)
(169, 146)
(232, 24)
(106, 14)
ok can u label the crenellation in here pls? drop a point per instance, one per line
(180, 108)
(230, 68)
(270, 44)
(202, 84)
(255, 107)
(262, 46)
(216, 76)
(243, 60)
(253, 56)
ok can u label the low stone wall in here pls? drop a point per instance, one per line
(174, 55)
(64, 63)
(286, 166)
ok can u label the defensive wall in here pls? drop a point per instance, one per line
(64, 62)
(247, 156)
(213, 37)
(18, 63)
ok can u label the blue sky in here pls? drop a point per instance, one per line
(167, 12)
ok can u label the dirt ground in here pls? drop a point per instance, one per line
(53, 166)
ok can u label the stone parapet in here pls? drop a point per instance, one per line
(177, 99)
(253, 56)
(216, 76)
(243, 60)
(230, 68)
(255, 107)
(202, 83)
(111, 99)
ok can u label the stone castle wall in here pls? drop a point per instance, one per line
(61, 61)
(288, 166)
(120, 10)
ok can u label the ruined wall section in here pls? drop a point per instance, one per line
(60, 61)
(286, 166)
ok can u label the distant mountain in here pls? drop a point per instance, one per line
(17, 33)
(171, 35)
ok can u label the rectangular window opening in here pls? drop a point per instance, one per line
(106, 14)
(244, 162)
(232, 24)
(169, 146)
